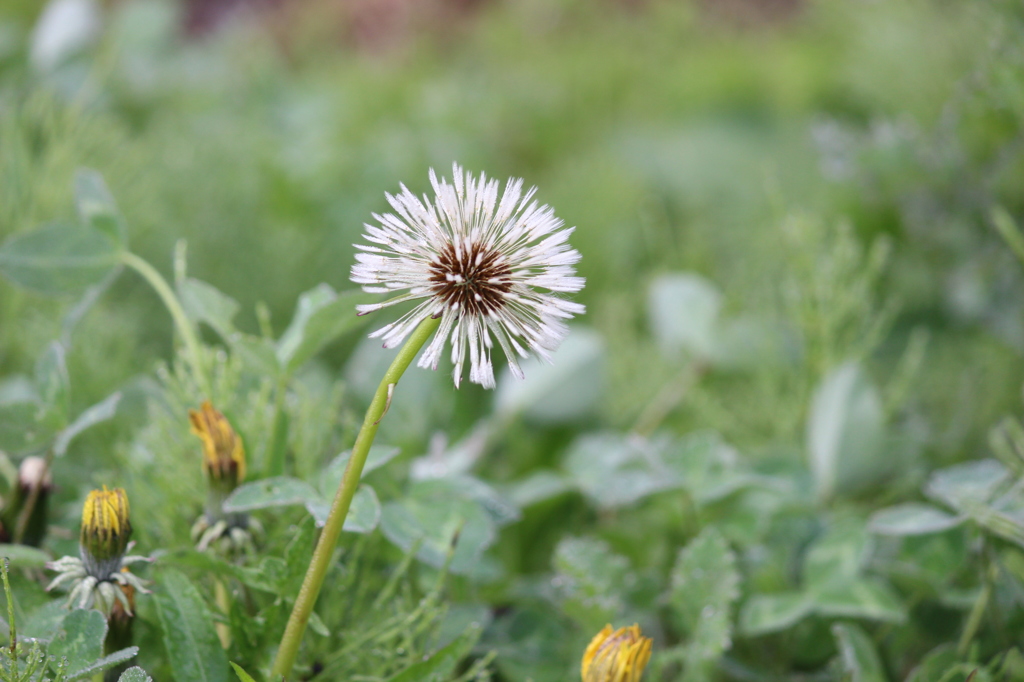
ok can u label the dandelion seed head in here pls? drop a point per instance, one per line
(494, 269)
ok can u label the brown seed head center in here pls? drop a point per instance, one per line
(473, 279)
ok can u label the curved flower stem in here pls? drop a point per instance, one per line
(321, 560)
(181, 321)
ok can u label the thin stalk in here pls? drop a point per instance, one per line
(974, 618)
(181, 321)
(223, 599)
(5, 566)
(321, 560)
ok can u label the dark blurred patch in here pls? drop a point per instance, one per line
(366, 24)
(202, 16)
(752, 12)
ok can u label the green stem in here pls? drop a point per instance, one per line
(974, 618)
(321, 560)
(181, 321)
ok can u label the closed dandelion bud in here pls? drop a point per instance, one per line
(106, 528)
(616, 656)
(223, 452)
(99, 574)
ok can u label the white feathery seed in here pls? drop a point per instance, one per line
(489, 268)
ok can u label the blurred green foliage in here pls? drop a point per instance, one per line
(783, 439)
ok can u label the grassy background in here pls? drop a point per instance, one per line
(828, 168)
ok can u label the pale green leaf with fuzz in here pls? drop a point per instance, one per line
(590, 579)
(98, 666)
(79, 639)
(705, 586)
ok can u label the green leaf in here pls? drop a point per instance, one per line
(96, 206)
(705, 585)
(839, 554)
(98, 666)
(860, 598)
(194, 652)
(43, 623)
(845, 432)
(320, 317)
(860, 661)
(431, 515)
(683, 312)
(969, 482)
(567, 389)
(705, 465)
(613, 470)
(270, 492)
(590, 580)
(765, 613)
(535, 488)
(912, 518)
(502, 510)
(58, 259)
(134, 674)
(363, 515)
(441, 664)
(378, 456)
(79, 640)
(242, 675)
(100, 412)
(205, 303)
(23, 556)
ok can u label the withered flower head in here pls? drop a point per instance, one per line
(223, 452)
(616, 656)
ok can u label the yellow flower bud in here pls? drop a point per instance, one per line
(618, 656)
(105, 525)
(223, 452)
